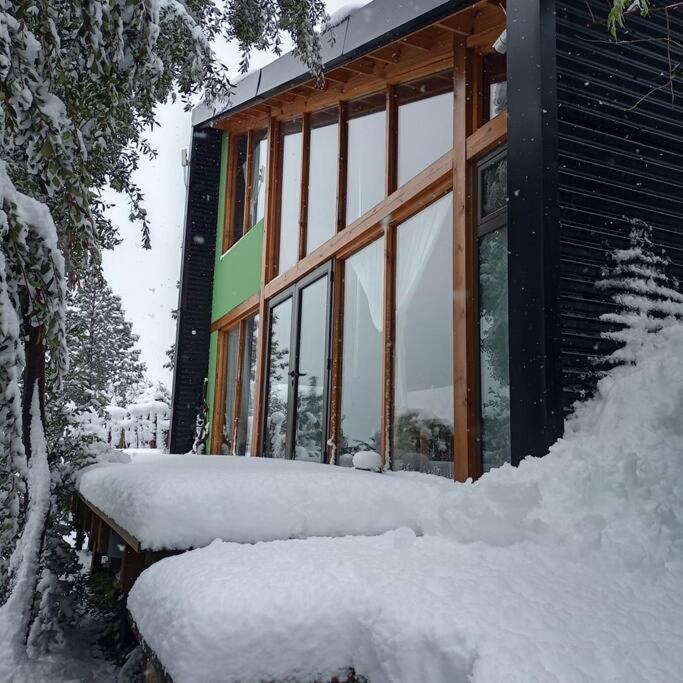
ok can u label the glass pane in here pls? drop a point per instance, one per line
(291, 199)
(258, 178)
(494, 85)
(494, 351)
(278, 380)
(423, 419)
(230, 379)
(425, 124)
(494, 187)
(312, 356)
(248, 388)
(322, 183)
(365, 173)
(361, 403)
(240, 188)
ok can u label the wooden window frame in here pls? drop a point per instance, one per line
(231, 181)
(237, 318)
(451, 172)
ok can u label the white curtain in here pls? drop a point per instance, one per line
(425, 228)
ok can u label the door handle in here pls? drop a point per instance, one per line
(294, 374)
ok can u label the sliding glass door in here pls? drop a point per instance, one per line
(295, 419)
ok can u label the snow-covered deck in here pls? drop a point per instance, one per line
(176, 502)
(568, 568)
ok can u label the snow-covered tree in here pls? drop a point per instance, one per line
(105, 364)
(647, 298)
(79, 83)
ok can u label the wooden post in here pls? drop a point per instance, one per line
(132, 565)
(464, 249)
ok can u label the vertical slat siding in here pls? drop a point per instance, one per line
(618, 160)
(194, 306)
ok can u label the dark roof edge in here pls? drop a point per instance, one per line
(357, 33)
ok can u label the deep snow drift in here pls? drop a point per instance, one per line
(186, 501)
(568, 568)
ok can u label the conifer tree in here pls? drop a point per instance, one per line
(646, 297)
(105, 365)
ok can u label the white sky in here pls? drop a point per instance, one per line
(146, 280)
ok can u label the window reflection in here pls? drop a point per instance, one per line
(258, 177)
(423, 405)
(291, 195)
(310, 413)
(230, 379)
(494, 86)
(240, 180)
(248, 388)
(494, 351)
(494, 187)
(322, 183)
(365, 172)
(361, 393)
(278, 380)
(425, 123)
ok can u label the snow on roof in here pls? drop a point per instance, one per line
(568, 568)
(186, 501)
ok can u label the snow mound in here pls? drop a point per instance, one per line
(568, 568)
(367, 460)
(187, 501)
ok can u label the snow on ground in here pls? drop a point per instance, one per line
(568, 568)
(184, 501)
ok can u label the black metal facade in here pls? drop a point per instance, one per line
(620, 158)
(194, 304)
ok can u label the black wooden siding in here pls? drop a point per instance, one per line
(194, 305)
(618, 160)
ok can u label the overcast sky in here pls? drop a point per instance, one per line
(146, 280)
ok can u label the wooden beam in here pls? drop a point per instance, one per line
(391, 54)
(461, 24)
(488, 137)
(132, 565)
(484, 40)
(94, 510)
(243, 310)
(363, 65)
(464, 250)
(229, 192)
(342, 166)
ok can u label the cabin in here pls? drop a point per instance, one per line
(401, 257)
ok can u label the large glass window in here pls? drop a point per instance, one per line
(322, 179)
(494, 86)
(230, 379)
(423, 377)
(425, 123)
(312, 357)
(290, 199)
(277, 400)
(257, 206)
(366, 155)
(361, 392)
(494, 356)
(248, 388)
(239, 187)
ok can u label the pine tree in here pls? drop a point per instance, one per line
(647, 298)
(105, 365)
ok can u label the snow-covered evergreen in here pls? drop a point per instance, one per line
(646, 296)
(105, 364)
